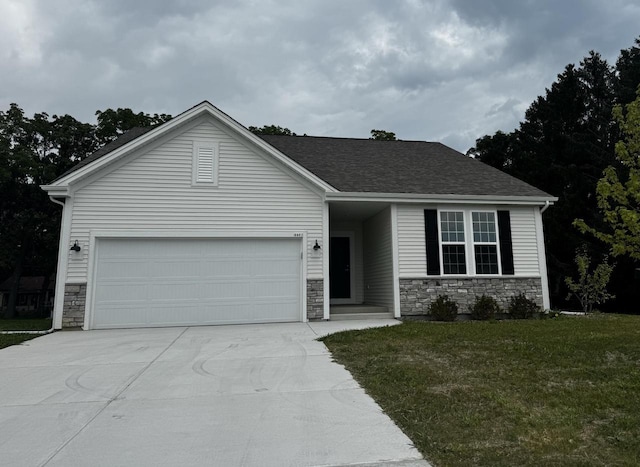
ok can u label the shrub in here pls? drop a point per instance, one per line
(443, 309)
(520, 307)
(484, 308)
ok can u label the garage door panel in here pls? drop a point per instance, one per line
(169, 282)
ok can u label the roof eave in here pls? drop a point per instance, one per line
(441, 198)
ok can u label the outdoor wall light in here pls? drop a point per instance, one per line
(316, 247)
(75, 247)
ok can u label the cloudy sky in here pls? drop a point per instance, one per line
(436, 70)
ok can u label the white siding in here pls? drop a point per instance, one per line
(154, 192)
(412, 255)
(356, 228)
(525, 247)
(378, 260)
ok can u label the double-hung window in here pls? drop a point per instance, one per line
(485, 242)
(453, 242)
(468, 242)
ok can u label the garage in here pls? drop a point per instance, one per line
(153, 282)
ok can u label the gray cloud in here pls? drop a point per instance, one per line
(448, 70)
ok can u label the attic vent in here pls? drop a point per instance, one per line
(205, 163)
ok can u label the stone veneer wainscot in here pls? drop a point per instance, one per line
(315, 299)
(417, 294)
(75, 297)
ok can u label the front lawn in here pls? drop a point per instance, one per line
(538, 392)
(31, 324)
(12, 339)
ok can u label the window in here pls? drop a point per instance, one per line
(485, 244)
(205, 163)
(453, 242)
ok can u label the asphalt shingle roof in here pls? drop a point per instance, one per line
(418, 167)
(365, 165)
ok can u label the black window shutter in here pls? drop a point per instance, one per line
(506, 247)
(431, 235)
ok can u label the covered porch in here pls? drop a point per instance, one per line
(361, 260)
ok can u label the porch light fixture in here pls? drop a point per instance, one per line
(75, 247)
(316, 247)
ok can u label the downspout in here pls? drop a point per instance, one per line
(545, 207)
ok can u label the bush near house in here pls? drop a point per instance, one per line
(484, 308)
(520, 307)
(443, 309)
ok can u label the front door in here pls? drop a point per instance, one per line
(340, 268)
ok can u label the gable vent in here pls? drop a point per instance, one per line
(205, 161)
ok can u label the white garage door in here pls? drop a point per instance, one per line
(176, 282)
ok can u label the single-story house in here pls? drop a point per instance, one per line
(198, 221)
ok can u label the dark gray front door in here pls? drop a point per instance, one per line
(340, 268)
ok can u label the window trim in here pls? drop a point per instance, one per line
(469, 243)
(197, 146)
(496, 242)
(441, 243)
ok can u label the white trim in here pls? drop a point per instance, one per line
(202, 108)
(350, 234)
(430, 198)
(63, 260)
(462, 276)
(496, 243)
(464, 243)
(542, 259)
(203, 234)
(469, 243)
(395, 261)
(326, 240)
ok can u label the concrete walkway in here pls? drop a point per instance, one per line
(263, 395)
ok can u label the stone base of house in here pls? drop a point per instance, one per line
(417, 294)
(75, 297)
(315, 299)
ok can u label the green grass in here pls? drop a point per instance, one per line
(559, 392)
(21, 325)
(13, 339)
(25, 324)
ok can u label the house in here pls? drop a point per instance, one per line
(35, 294)
(199, 221)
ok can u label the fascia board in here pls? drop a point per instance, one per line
(433, 198)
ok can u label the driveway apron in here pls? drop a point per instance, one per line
(250, 395)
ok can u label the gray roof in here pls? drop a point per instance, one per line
(365, 165)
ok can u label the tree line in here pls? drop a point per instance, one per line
(35, 151)
(563, 146)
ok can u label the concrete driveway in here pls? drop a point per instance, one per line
(264, 395)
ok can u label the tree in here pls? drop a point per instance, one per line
(591, 288)
(628, 74)
(618, 191)
(34, 151)
(382, 135)
(113, 123)
(271, 130)
(561, 147)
